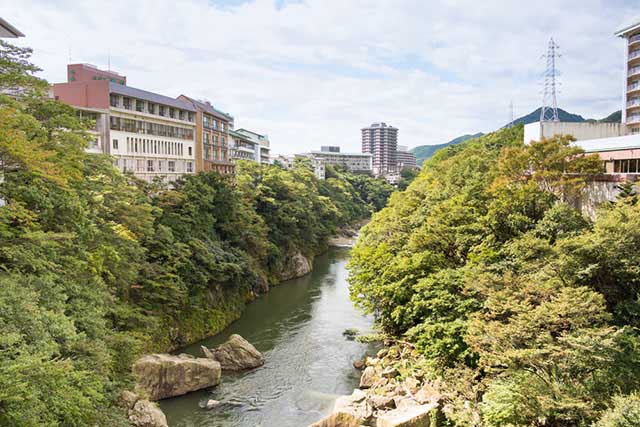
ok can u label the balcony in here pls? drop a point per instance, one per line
(635, 102)
(633, 119)
(633, 87)
(634, 39)
(633, 71)
(635, 54)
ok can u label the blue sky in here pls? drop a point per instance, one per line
(311, 73)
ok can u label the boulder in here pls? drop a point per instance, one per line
(147, 414)
(164, 375)
(207, 353)
(427, 394)
(408, 415)
(296, 265)
(358, 364)
(128, 399)
(237, 354)
(381, 402)
(368, 377)
(211, 403)
(348, 411)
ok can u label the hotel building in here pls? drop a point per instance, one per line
(406, 159)
(631, 86)
(213, 147)
(148, 134)
(249, 145)
(354, 162)
(381, 141)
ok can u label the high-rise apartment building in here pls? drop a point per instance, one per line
(149, 134)
(631, 89)
(213, 143)
(381, 141)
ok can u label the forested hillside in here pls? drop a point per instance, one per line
(97, 268)
(523, 312)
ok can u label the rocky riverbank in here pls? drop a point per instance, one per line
(393, 392)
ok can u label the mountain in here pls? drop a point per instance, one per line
(424, 152)
(563, 115)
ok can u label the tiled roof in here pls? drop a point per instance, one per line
(209, 108)
(149, 96)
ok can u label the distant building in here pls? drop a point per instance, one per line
(631, 91)
(406, 159)
(381, 141)
(317, 163)
(249, 145)
(355, 162)
(86, 72)
(149, 134)
(8, 31)
(213, 146)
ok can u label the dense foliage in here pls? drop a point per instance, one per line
(97, 267)
(526, 310)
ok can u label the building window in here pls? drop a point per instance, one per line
(115, 144)
(172, 112)
(189, 167)
(113, 100)
(149, 165)
(190, 151)
(182, 114)
(139, 105)
(159, 165)
(126, 103)
(151, 108)
(171, 166)
(626, 166)
(140, 165)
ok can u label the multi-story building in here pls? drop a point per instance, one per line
(213, 148)
(151, 135)
(355, 162)
(631, 87)
(316, 163)
(249, 145)
(406, 159)
(381, 141)
(8, 31)
(86, 72)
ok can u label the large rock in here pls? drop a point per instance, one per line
(407, 416)
(296, 265)
(147, 414)
(164, 375)
(368, 378)
(348, 411)
(237, 354)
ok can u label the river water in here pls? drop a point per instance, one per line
(298, 327)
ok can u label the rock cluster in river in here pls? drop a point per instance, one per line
(236, 354)
(387, 397)
(295, 265)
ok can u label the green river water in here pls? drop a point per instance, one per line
(298, 327)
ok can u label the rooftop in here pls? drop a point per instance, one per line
(610, 144)
(207, 107)
(9, 31)
(632, 24)
(149, 96)
(333, 153)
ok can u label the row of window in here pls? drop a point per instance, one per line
(207, 139)
(141, 106)
(139, 126)
(152, 146)
(212, 153)
(626, 166)
(142, 165)
(209, 123)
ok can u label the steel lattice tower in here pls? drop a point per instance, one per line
(549, 111)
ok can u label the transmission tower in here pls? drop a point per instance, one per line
(549, 111)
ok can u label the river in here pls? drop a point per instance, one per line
(298, 327)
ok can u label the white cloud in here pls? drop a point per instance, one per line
(315, 72)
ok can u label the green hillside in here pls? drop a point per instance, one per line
(424, 152)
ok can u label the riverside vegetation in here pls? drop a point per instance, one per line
(98, 268)
(522, 312)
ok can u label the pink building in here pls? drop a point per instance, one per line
(88, 72)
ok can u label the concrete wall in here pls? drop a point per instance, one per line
(580, 131)
(601, 189)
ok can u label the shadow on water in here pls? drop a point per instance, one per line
(298, 327)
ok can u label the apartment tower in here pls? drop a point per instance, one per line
(381, 141)
(631, 86)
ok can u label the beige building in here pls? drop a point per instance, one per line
(631, 87)
(249, 145)
(355, 162)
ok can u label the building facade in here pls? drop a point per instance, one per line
(381, 141)
(148, 134)
(249, 145)
(631, 73)
(213, 147)
(87, 72)
(406, 159)
(354, 162)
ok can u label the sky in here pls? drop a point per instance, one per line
(314, 72)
